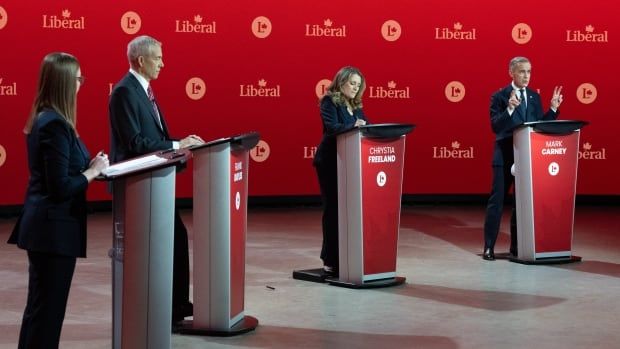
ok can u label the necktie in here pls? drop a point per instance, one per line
(523, 105)
(149, 92)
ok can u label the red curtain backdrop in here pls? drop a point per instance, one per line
(238, 66)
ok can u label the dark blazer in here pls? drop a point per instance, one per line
(336, 119)
(503, 124)
(134, 127)
(54, 216)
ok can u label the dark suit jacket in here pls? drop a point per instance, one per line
(503, 124)
(336, 119)
(54, 216)
(134, 127)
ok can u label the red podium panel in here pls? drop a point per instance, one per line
(220, 225)
(545, 186)
(370, 175)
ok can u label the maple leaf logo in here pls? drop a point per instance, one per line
(66, 13)
(328, 22)
(456, 145)
(263, 26)
(391, 84)
(587, 146)
(590, 28)
(393, 30)
(262, 83)
(198, 18)
(458, 26)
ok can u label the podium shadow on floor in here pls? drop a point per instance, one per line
(480, 299)
(593, 267)
(290, 337)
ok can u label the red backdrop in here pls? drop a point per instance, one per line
(238, 66)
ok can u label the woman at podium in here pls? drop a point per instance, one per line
(52, 225)
(341, 109)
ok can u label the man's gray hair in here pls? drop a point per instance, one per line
(517, 60)
(140, 46)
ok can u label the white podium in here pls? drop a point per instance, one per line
(546, 154)
(220, 227)
(143, 228)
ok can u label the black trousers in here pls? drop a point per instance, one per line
(180, 266)
(502, 182)
(328, 182)
(49, 280)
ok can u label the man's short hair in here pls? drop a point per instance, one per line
(140, 46)
(517, 60)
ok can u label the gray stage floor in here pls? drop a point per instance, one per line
(451, 299)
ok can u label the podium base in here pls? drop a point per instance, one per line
(370, 284)
(247, 324)
(553, 260)
(312, 275)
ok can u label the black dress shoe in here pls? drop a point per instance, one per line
(182, 311)
(488, 255)
(330, 271)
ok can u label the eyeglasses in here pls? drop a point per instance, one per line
(81, 79)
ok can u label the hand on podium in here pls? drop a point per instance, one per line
(190, 140)
(360, 122)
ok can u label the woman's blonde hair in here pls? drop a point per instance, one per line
(334, 90)
(57, 88)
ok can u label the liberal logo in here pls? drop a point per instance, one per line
(586, 93)
(587, 153)
(261, 27)
(321, 87)
(63, 22)
(327, 30)
(521, 33)
(197, 25)
(391, 30)
(2, 155)
(260, 152)
(4, 17)
(454, 153)
(195, 88)
(381, 178)
(391, 92)
(554, 168)
(589, 35)
(8, 88)
(131, 22)
(455, 33)
(259, 90)
(455, 91)
(309, 152)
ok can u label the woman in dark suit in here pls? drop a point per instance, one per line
(52, 226)
(341, 109)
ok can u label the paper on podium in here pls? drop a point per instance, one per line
(133, 165)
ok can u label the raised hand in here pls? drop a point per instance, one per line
(513, 101)
(557, 97)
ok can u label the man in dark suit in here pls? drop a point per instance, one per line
(138, 127)
(510, 107)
